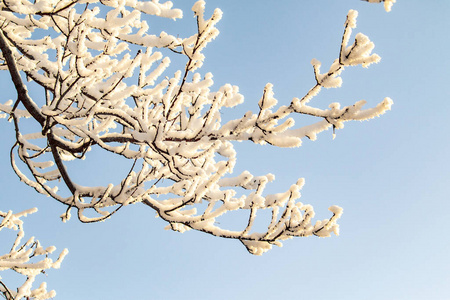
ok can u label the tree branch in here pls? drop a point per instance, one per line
(22, 93)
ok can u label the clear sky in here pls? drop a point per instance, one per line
(391, 174)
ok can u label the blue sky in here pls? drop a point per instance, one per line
(391, 174)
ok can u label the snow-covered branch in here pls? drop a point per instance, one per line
(106, 86)
(29, 259)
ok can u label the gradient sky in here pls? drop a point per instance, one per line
(390, 174)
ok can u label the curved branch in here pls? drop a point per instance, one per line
(22, 93)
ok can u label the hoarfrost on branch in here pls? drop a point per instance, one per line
(105, 85)
(25, 259)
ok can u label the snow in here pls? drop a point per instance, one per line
(107, 90)
(19, 257)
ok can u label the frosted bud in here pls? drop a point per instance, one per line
(50, 249)
(351, 18)
(267, 101)
(315, 62)
(336, 210)
(199, 6)
(335, 106)
(388, 4)
(66, 216)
